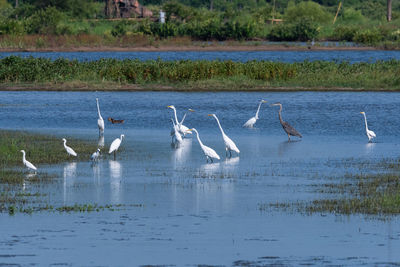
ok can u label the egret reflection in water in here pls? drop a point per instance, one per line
(115, 180)
(100, 142)
(69, 176)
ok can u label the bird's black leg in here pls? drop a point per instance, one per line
(288, 137)
(211, 160)
(230, 154)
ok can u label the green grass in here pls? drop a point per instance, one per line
(108, 74)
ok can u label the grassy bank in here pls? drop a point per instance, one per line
(40, 149)
(111, 74)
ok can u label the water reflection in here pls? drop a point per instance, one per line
(182, 153)
(286, 146)
(115, 181)
(69, 176)
(100, 142)
(369, 148)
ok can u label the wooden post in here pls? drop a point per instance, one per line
(337, 12)
(389, 10)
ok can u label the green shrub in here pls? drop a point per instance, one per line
(306, 10)
(44, 21)
(344, 33)
(303, 30)
(368, 36)
(11, 26)
(350, 15)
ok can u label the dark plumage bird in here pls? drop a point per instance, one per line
(113, 121)
(286, 126)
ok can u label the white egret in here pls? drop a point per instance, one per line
(177, 136)
(115, 145)
(27, 163)
(95, 156)
(250, 123)
(69, 150)
(100, 121)
(229, 144)
(370, 134)
(208, 151)
(182, 128)
(184, 116)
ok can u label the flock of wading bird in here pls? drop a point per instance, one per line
(179, 131)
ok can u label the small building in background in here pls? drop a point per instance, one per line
(126, 9)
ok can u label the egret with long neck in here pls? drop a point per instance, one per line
(208, 151)
(182, 128)
(250, 123)
(27, 163)
(229, 144)
(100, 121)
(370, 134)
(69, 150)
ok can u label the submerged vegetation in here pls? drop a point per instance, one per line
(192, 75)
(369, 194)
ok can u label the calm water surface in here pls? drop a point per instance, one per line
(243, 56)
(192, 212)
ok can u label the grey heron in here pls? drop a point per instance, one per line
(290, 130)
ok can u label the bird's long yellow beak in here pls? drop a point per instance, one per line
(169, 106)
(209, 115)
(264, 101)
(362, 112)
(191, 110)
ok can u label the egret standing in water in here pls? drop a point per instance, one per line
(370, 134)
(208, 151)
(27, 163)
(250, 123)
(115, 145)
(69, 150)
(290, 131)
(176, 137)
(100, 121)
(95, 156)
(229, 144)
(182, 128)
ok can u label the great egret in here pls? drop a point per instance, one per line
(100, 121)
(250, 123)
(27, 163)
(286, 126)
(229, 144)
(115, 145)
(370, 134)
(177, 136)
(184, 116)
(182, 128)
(208, 151)
(95, 156)
(69, 150)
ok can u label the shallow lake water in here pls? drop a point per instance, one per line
(242, 56)
(179, 210)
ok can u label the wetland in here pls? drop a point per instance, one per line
(329, 198)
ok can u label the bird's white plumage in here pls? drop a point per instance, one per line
(69, 150)
(27, 163)
(181, 128)
(177, 136)
(115, 144)
(95, 156)
(229, 144)
(250, 123)
(100, 121)
(370, 134)
(208, 151)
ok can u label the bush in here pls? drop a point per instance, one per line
(344, 33)
(44, 21)
(352, 15)
(303, 30)
(11, 26)
(306, 11)
(368, 36)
